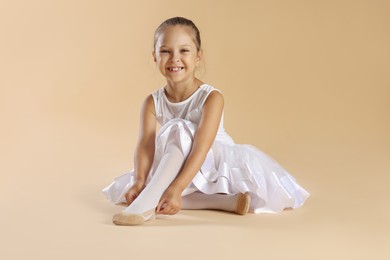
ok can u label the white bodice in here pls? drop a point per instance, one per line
(189, 109)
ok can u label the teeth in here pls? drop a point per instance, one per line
(175, 69)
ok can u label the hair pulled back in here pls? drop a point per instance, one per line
(178, 21)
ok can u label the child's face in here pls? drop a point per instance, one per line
(176, 54)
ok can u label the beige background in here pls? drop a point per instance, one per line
(307, 82)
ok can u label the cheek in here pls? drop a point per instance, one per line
(165, 59)
(161, 61)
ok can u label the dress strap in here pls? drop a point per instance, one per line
(158, 109)
(211, 89)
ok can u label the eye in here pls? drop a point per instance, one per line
(185, 50)
(164, 51)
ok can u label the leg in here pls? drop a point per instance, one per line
(238, 203)
(166, 172)
(143, 206)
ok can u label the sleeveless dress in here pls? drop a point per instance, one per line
(229, 168)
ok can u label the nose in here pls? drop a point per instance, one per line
(175, 56)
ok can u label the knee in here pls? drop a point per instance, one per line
(177, 133)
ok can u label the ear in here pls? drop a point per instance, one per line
(199, 56)
(154, 56)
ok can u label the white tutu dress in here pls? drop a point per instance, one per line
(228, 168)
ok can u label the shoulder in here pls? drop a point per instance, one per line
(157, 94)
(149, 99)
(148, 104)
(214, 100)
(154, 98)
(212, 94)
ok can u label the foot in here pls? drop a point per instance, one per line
(125, 219)
(242, 203)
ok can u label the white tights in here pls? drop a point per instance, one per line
(166, 172)
(199, 200)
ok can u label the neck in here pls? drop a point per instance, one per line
(179, 91)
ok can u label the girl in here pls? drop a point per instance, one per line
(192, 163)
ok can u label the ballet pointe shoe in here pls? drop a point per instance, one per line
(124, 219)
(243, 203)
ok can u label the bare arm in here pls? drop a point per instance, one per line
(203, 140)
(144, 152)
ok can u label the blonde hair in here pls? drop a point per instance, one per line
(178, 21)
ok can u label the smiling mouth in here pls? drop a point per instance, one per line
(175, 68)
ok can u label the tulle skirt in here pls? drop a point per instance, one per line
(229, 168)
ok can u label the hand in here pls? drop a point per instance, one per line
(133, 192)
(170, 202)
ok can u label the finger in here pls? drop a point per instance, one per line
(170, 210)
(165, 209)
(160, 205)
(174, 209)
(128, 198)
